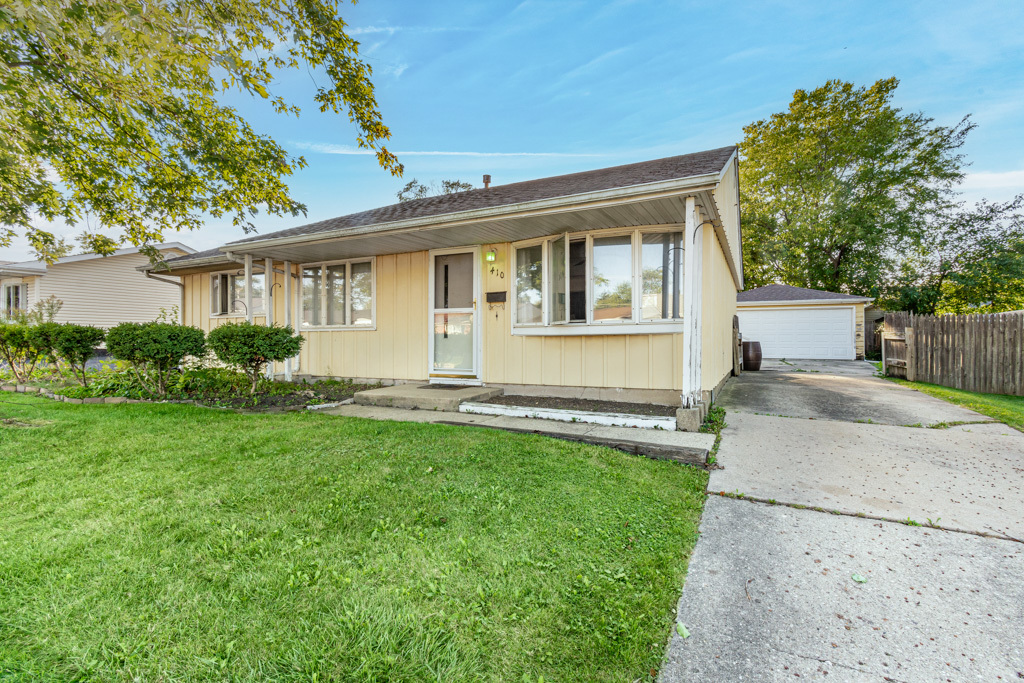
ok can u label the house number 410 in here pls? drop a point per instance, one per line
(498, 273)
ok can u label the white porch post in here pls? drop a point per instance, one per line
(692, 247)
(288, 314)
(248, 288)
(268, 289)
(268, 302)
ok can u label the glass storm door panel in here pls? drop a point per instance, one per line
(454, 323)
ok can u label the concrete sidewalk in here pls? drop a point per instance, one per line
(694, 444)
(770, 596)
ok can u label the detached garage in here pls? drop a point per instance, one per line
(793, 322)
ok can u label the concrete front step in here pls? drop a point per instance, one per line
(424, 396)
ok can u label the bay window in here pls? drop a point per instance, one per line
(605, 279)
(338, 294)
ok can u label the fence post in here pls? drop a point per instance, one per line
(911, 355)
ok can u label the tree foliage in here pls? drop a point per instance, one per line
(154, 349)
(112, 111)
(971, 262)
(250, 347)
(414, 189)
(837, 187)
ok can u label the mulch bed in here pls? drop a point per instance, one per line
(305, 395)
(586, 405)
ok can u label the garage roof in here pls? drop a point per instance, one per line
(772, 294)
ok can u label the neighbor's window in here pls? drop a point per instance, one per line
(227, 293)
(338, 294)
(600, 278)
(14, 299)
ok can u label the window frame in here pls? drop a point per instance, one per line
(215, 311)
(347, 325)
(21, 290)
(636, 324)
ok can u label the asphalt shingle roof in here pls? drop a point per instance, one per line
(496, 196)
(789, 293)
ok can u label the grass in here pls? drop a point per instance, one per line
(714, 423)
(1006, 409)
(178, 543)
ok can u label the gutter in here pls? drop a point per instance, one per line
(555, 204)
(802, 302)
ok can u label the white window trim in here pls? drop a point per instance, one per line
(235, 314)
(594, 327)
(22, 290)
(348, 263)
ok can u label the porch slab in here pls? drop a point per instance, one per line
(424, 396)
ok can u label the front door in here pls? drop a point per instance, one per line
(454, 338)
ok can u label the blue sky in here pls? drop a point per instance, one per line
(523, 90)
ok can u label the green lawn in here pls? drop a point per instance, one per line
(176, 543)
(1007, 409)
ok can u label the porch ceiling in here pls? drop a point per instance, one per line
(657, 211)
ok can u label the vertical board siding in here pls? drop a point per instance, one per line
(621, 361)
(980, 353)
(719, 304)
(398, 348)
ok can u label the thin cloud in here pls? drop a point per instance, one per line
(346, 150)
(392, 30)
(991, 180)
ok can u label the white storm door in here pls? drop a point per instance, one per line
(454, 320)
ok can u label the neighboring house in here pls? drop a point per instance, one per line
(794, 322)
(622, 280)
(95, 290)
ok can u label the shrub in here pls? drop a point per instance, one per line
(18, 348)
(75, 345)
(44, 337)
(250, 347)
(154, 349)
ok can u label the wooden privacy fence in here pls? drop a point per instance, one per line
(983, 353)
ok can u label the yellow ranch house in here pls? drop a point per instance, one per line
(617, 284)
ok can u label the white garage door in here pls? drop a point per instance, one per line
(801, 332)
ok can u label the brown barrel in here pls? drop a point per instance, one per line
(751, 355)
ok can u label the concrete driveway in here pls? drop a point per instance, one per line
(770, 593)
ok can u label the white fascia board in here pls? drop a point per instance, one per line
(616, 195)
(805, 302)
(16, 271)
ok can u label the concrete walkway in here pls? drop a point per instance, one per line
(770, 593)
(693, 444)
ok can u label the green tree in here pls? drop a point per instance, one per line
(414, 189)
(112, 110)
(834, 189)
(971, 261)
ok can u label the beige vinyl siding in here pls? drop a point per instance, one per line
(107, 291)
(718, 308)
(636, 361)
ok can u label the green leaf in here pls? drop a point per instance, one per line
(682, 630)
(859, 579)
